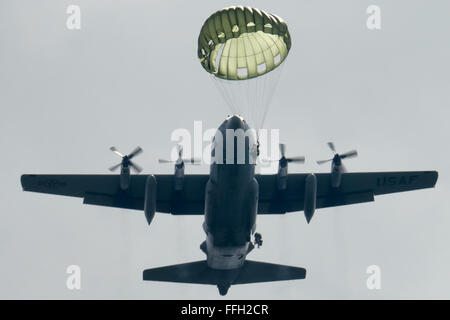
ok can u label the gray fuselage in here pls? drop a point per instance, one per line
(231, 198)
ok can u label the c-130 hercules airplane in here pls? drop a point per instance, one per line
(230, 198)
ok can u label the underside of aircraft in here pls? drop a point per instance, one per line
(230, 198)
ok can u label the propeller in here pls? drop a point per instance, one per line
(180, 160)
(283, 160)
(126, 159)
(337, 157)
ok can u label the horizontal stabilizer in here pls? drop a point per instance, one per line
(199, 273)
(254, 271)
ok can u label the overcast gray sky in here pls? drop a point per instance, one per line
(130, 76)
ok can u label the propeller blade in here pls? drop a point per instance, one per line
(180, 150)
(349, 154)
(268, 160)
(282, 149)
(165, 161)
(135, 152)
(194, 161)
(331, 146)
(296, 159)
(323, 161)
(136, 168)
(114, 168)
(114, 149)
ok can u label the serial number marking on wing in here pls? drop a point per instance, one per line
(51, 183)
(392, 181)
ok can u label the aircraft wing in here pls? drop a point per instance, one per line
(355, 187)
(105, 190)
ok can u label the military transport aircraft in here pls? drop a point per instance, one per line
(230, 198)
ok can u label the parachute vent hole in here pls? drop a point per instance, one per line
(242, 72)
(261, 67)
(277, 58)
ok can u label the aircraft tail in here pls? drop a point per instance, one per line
(198, 272)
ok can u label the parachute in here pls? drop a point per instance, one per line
(243, 49)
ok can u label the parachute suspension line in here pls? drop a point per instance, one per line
(234, 108)
(221, 86)
(226, 94)
(250, 98)
(256, 103)
(222, 91)
(275, 76)
(263, 95)
(251, 103)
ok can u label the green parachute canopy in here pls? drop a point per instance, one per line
(243, 49)
(239, 43)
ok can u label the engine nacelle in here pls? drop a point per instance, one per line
(336, 174)
(150, 198)
(125, 178)
(310, 196)
(178, 177)
(282, 177)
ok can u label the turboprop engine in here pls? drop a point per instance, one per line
(283, 162)
(125, 166)
(179, 167)
(337, 168)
